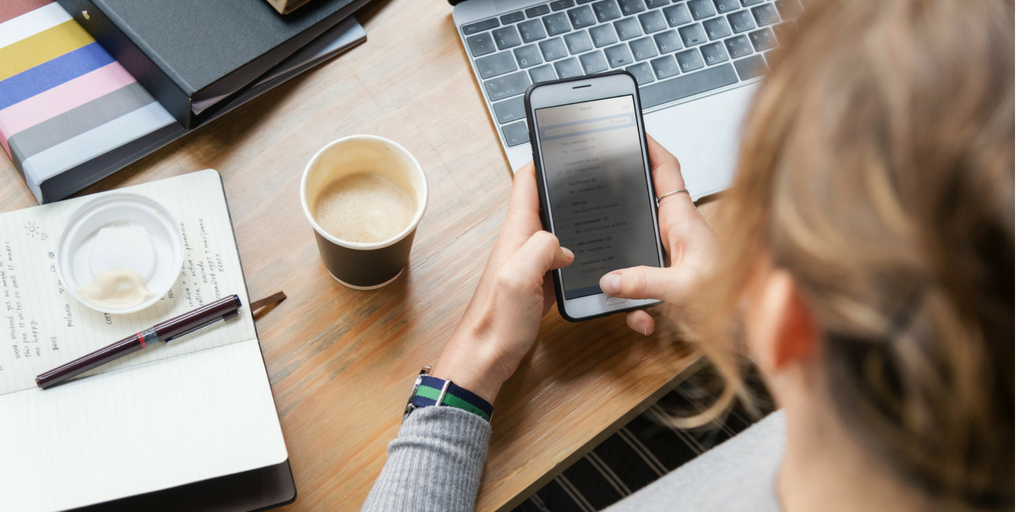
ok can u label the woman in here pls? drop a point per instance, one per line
(866, 262)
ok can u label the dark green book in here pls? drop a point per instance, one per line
(193, 55)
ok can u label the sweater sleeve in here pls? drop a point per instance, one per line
(434, 465)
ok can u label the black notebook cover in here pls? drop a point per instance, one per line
(186, 51)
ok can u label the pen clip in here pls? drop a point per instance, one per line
(226, 316)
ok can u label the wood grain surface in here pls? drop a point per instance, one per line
(342, 362)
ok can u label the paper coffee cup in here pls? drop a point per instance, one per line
(364, 266)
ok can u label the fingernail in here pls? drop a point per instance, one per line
(643, 327)
(568, 254)
(611, 284)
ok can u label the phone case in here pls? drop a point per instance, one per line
(542, 185)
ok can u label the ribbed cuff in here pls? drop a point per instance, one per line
(435, 463)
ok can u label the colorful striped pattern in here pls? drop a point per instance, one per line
(63, 98)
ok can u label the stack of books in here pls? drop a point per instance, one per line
(84, 95)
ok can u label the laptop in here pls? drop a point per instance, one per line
(697, 62)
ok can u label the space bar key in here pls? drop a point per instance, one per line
(687, 85)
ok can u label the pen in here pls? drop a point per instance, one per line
(221, 309)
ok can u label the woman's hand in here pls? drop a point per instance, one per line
(503, 318)
(690, 243)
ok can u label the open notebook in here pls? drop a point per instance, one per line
(194, 409)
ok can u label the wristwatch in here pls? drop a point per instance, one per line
(431, 391)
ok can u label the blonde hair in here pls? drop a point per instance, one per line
(877, 168)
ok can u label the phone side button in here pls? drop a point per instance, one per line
(611, 301)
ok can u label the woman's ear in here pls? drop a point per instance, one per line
(780, 326)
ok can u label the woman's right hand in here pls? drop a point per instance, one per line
(689, 241)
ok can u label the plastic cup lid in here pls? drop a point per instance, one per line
(120, 231)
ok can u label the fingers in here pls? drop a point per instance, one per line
(524, 205)
(540, 254)
(641, 283)
(641, 322)
(664, 167)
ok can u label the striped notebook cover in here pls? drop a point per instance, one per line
(64, 101)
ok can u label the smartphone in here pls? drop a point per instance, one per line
(595, 184)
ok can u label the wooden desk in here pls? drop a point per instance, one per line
(342, 362)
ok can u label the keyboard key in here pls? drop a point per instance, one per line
(714, 53)
(532, 30)
(676, 15)
(627, 29)
(652, 22)
(765, 15)
(725, 6)
(665, 67)
(642, 72)
(543, 73)
(553, 49)
(540, 10)
(763, 39)
(516, 134)
(654, 4)
(480, 44)
(789, 9)
(581, 2)
(603, 35)
(772, 57)
(784, 32)
(509, 110)
(593, 63)
(506, 86)
(578, 42)
(751, 67)
(559, 5)
(480, 26)
(717, 28)
(631, 6)
(689, 60)
(506, 37)
(618, 55)
(568, 68)
(741, 21)
(738, 46)
(606, 10)
(687, 85)
(668, 42)
(692, 35)
(643, 48)
(494, 65)
(513, 17)
(582, 17)
(528, 56)
(748, 3)
(557, 23)
(701, 9)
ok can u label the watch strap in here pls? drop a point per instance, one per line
(430, 389)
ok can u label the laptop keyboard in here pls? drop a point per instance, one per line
(674, 48)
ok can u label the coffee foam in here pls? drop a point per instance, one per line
(363, 208)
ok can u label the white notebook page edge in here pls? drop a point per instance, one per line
(138, 430)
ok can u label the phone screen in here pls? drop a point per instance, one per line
(597, 185)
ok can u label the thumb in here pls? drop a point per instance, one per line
(542, 253)
(640, 283)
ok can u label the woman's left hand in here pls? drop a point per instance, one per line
(515, 291)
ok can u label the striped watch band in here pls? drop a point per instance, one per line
(431, 391)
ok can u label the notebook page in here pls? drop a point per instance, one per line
(127, 432)
(42, 326)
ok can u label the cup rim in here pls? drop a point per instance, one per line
(420, 210)
(71, 284)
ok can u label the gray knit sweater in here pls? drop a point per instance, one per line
(436, 463)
